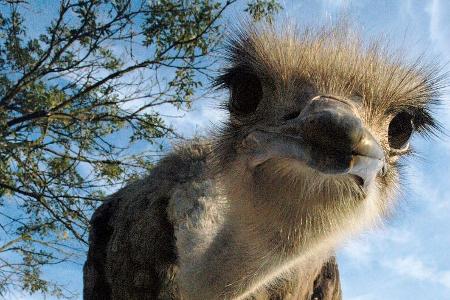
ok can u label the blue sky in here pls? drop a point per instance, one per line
(409, 256)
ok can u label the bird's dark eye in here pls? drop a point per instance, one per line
(400, 130)
(246, 93)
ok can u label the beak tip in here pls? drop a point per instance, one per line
(367, 168)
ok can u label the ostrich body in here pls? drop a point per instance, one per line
(309, 155)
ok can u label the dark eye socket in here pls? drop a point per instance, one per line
(246, 93)
(400, 130)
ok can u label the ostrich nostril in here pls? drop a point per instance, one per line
(383, 170)
(359, 180)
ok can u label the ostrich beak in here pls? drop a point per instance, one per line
(328, 136)
(368, 160)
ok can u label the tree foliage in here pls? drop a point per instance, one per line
(74, 96)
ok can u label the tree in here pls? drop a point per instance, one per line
(100, 70)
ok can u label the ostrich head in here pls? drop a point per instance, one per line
(317, 123)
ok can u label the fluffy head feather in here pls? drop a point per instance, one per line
(290, 67)
(293, 65)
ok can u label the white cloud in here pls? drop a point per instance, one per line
(368, 248)
(433, 11)
(439, 12)
(199, 119)
(407, 10)
(360, 251)
(336, 4)
(413, 267)
(430, 191)
(445, 278)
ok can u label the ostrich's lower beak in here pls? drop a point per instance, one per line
(368, 160)
(327, 136)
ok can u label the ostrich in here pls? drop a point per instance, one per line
(309, 156)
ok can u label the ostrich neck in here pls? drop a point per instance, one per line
(254, 245)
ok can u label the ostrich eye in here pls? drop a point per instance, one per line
(400, 130)
(246, 93)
